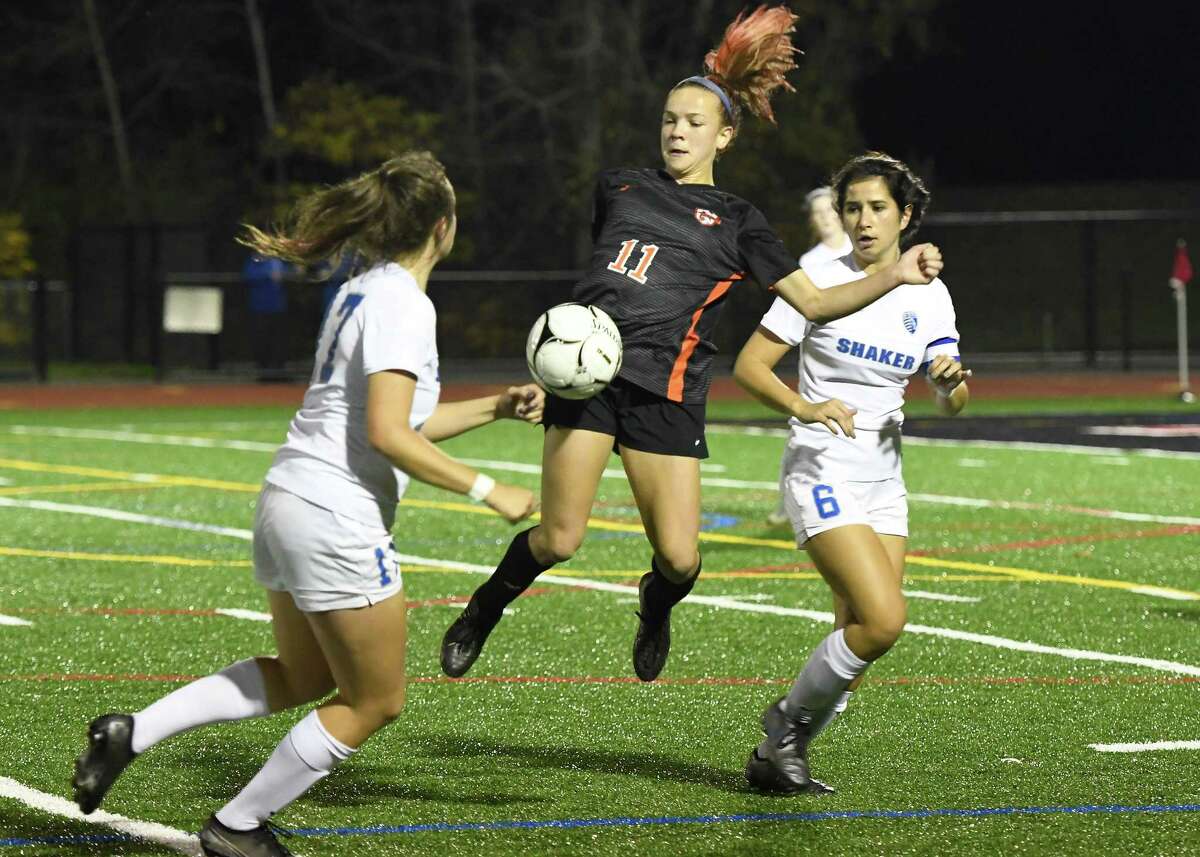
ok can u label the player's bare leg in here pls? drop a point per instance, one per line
(843, 616)
(666, 489)
(251, 688)
(572, 463)
(364, 649)
(862, 571)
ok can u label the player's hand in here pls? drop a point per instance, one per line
(919, 264)
(511, 502)
(832, 414)
(525, 403)
(946, 373)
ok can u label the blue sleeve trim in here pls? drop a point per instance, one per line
(943, 341)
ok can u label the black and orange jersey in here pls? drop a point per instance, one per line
(665, 257)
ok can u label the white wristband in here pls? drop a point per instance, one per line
(482, 487)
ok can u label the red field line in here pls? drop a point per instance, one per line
(1086, 538)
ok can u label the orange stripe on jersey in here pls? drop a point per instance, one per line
(675, 384)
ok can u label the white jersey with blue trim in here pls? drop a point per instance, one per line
(820, 253)
(865, 360)
(378, 321)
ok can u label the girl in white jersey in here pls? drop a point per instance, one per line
(322, 543)
(844, 491)
(832, 243)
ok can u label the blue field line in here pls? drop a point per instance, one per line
(629, 821)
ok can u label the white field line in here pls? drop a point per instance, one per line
(827, 618)
(143, 437)
(1023, 446)
(159, 834)
(1114, 514)
(258, 446)
(237, 613)
(1163, 593)
(1184, 430)
(604, 586)
(938, 596)
(614, 473)
(119, 515)
(4, 480)
(1141, 748)
(13, 620)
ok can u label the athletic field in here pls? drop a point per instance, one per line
(1042, 701)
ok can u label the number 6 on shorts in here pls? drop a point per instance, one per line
(827, 504)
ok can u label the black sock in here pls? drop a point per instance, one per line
(512, 576)
(662, 593)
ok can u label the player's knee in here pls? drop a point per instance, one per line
(882, 631)
(289, 685)
(677, 562)
(378, 710)
(558, 544)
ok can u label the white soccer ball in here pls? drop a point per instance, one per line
(573, 350)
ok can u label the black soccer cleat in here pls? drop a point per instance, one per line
(786, 746)
(463, 641)
(763, 776)
(217, 840)
(652, 642)
(108, 753)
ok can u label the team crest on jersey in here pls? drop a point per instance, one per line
(706, 218)
(910, 321)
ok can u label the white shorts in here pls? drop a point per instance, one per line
(325, 560)
(815, 507)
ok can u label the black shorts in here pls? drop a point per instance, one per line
(636, 418)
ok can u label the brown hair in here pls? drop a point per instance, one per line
(752, 60)
(383, 213)
(903, 184)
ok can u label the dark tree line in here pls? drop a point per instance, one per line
(138, 111)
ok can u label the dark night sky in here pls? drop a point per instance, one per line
(1061, 90)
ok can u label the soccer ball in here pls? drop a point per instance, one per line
(573, 350)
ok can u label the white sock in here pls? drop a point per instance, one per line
(235, 693)
(305, 755)
(829, 671)
(821, 721)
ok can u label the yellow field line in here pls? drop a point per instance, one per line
(148, 478)
(116, 557)
(617, 526)
(77, 488)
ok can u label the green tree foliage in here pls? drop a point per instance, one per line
(15, 261)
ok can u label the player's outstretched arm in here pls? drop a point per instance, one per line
(754, 370)
(450, 419)
(917, 266)
(389, 404)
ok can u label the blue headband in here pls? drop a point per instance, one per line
(711, 87)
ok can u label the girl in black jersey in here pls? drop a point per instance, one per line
(669, 246)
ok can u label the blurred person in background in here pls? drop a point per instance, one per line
(844, 490)
(832, 242)
(265, 278)
(668, 248)
(323, 547)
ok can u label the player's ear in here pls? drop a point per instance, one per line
(724, 138)
(905, 216)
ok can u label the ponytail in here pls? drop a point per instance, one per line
(381, 214)
(752, 60)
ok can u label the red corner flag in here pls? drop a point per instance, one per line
(1181, 273)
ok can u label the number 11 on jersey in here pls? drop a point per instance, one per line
(638, 274)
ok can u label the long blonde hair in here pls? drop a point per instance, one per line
(384, 213)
